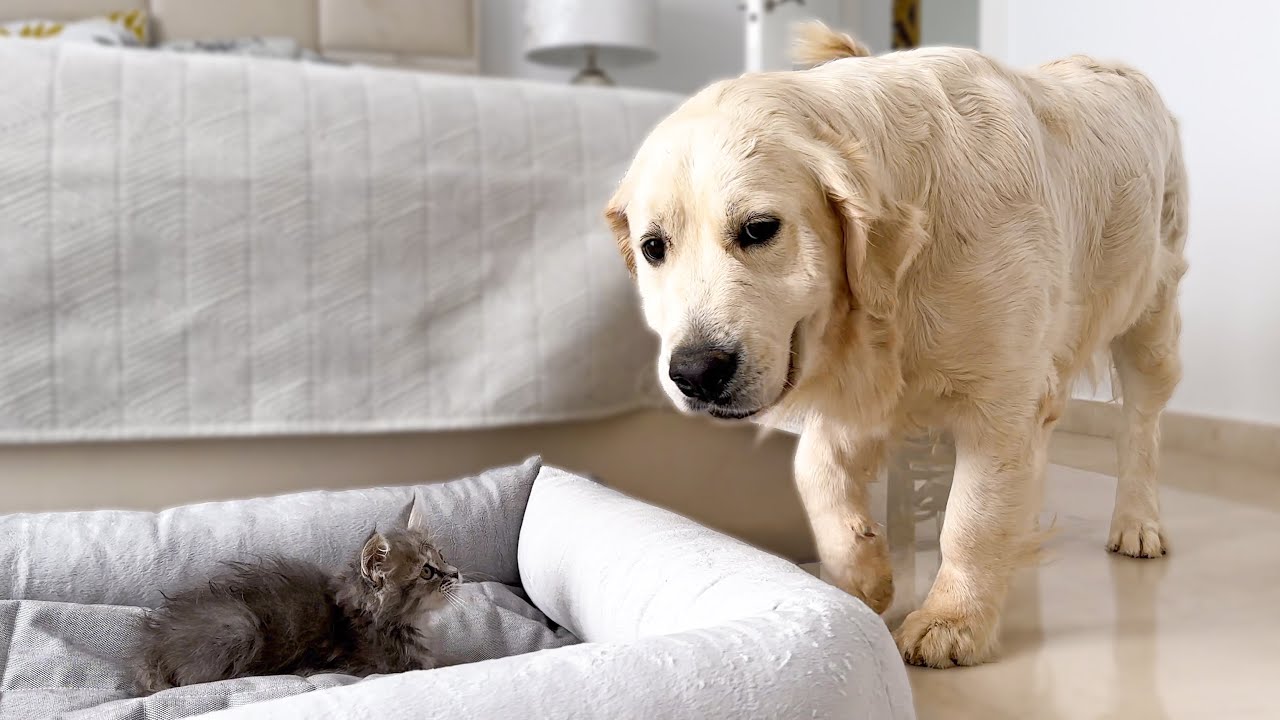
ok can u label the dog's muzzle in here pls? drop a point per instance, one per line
(703, 372)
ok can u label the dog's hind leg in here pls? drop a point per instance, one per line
(1148, 367)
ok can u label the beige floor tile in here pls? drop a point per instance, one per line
(1090, 635)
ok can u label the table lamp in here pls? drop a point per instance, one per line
(582, 33)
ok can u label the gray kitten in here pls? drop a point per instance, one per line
(281, 616)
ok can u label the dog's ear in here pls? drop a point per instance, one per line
(894, 240)
(616, 215)
(882, 237)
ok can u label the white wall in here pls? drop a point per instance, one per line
(1219, 70)
(949, 22)
(702, 40)
(502, 43)
(871, 21)
(698, 41)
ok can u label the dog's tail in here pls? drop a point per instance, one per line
(814, 44)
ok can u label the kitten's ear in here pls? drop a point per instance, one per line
(417, 519)
(373, 558)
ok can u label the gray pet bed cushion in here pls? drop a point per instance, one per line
(592, 605)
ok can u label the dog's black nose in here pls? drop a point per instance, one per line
(702, 372)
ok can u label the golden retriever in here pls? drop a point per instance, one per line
(925, 239)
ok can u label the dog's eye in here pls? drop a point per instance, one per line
(757, 231)
(654, 249)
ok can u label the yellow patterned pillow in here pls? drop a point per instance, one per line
(117, 28)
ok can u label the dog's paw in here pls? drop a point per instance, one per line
(877, 592)
(861, 568)
(1137, 538)
(872, 586)
(940, 640)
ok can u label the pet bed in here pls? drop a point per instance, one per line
(593, 605)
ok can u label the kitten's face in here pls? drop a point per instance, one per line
(436, 578)
(406, 572)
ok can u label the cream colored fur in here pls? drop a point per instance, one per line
(958, 241)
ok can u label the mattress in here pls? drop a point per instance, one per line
(214, 246)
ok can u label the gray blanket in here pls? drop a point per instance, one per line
(60, 657)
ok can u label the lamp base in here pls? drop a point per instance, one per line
(591, 76)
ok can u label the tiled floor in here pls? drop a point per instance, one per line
(1090, 635)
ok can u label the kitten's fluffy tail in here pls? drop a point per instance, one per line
(148, 679)
(814, 44)
(195, 644)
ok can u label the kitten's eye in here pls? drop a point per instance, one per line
(757, 231)
(654, 249)
(429, 572)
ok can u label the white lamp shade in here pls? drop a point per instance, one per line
(559, 32)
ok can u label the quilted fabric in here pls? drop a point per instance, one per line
(202, 245)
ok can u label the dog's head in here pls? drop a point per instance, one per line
(745, 226)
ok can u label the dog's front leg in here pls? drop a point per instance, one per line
(832, 471)
(987, 534)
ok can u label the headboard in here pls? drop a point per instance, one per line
(440, 35)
